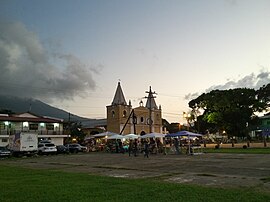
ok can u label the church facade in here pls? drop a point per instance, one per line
(123, 119)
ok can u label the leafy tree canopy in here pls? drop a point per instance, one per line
(264, 95)
(76, 132)
(230, 110)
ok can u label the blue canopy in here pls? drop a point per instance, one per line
(184, 133)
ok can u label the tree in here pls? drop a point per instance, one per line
(263, 95)
(229, 110)
(76, 132)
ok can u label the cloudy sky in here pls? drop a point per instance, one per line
(71, 54)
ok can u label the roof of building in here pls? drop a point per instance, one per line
(151, 103)
(119, 98)
(267, 116)
(28, 117)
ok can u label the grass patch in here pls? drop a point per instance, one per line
(21, 184)
(238, 150)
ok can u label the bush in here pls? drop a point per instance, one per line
(244, 146)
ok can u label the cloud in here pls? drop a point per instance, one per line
(250, 81)
(29, 70)
(191, 96)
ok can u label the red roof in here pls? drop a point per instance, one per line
(29, 119)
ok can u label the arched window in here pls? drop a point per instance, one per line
(134, 120)
(142, 119)
(113, 114)
(124, 113)
(142, 133)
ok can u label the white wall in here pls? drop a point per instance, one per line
(3, 144)
(57, 141)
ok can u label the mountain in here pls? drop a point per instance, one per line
(21, 105)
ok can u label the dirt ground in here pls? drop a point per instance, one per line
(222, 170)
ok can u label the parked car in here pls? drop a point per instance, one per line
(61, 149)
(4, 152)
(46, 148)
(75, 148)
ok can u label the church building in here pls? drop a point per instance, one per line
(123, 119)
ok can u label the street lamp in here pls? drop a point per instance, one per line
(187, 117)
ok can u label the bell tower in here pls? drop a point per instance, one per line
(118, 113)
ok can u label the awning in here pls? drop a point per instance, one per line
(105, 134)
(153, 135)
(184, 133)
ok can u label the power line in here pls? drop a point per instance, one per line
(74, 106)
(176, 96)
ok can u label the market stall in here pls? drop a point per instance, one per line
(191, 148)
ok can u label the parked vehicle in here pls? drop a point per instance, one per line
(23, 143)
(75, 148)
(61, 149)
(4, 152)
(46, 148)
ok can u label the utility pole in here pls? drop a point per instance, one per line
(149, 98)
(134, 121)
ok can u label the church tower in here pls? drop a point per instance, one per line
(118, 113)
(149, 117)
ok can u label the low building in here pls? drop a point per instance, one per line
(265, 125)
(46, 127)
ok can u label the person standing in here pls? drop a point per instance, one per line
(176, 145)
(146, 149)
(135, 147)
(116, 146)
(130, 145)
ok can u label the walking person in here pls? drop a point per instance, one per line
(176, 145)
(121, 148)
(135, 147)
(146, 149)
(116, 146)
(130, 145)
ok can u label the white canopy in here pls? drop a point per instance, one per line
(153, 135)
(131, 136)
(114, 137)
(105, 134)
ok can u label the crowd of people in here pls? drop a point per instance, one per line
(135, 146)
(144, 146)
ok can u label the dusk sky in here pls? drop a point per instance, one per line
(71, 54)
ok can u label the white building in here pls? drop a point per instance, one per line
(46, 127)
